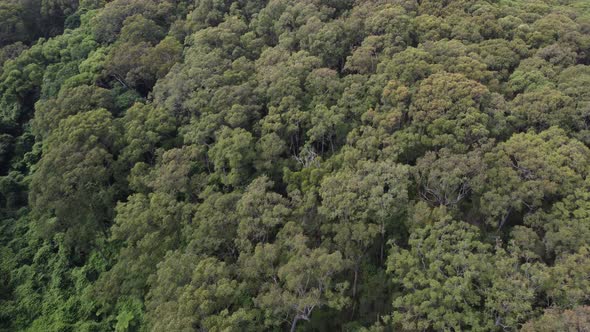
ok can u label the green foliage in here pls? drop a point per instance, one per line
(71, 189)
(302, 165)
(559, 320)
(455, 281)
(193, 292)
(442, 285)
(69, 101)
(148, 227)
(531, 170)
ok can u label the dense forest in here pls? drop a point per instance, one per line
(294, 165)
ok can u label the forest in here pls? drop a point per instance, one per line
(294, 165)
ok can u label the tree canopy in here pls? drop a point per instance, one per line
(294, 165)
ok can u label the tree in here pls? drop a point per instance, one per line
(456, 57)
(214, 229)
(565, 283)
(531, 74)
(362, 204)
(282, 78)
(146, 128)
(409, 66)
(71, 188)
(501, 55)
(431, 27)
(178, 173)
(554, 27)
(533, 170)
(325, 125)
(442, 284)
(139, 65)
(451, 280)
(13, 29)
(296, 279)
(69, 101)
(565, 225)
(191, 292)
(391, 21)
(570, 81)
(576, 319)
(543, 108)
(261, 214)
(232, 156)
(108, 23)
(137, 28)
(447, 179)
(452, 111)
(146, 228)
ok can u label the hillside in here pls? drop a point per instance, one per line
(294, 165)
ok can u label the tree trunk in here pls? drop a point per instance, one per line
(356, 273)
(503, 221)
(295, 320)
